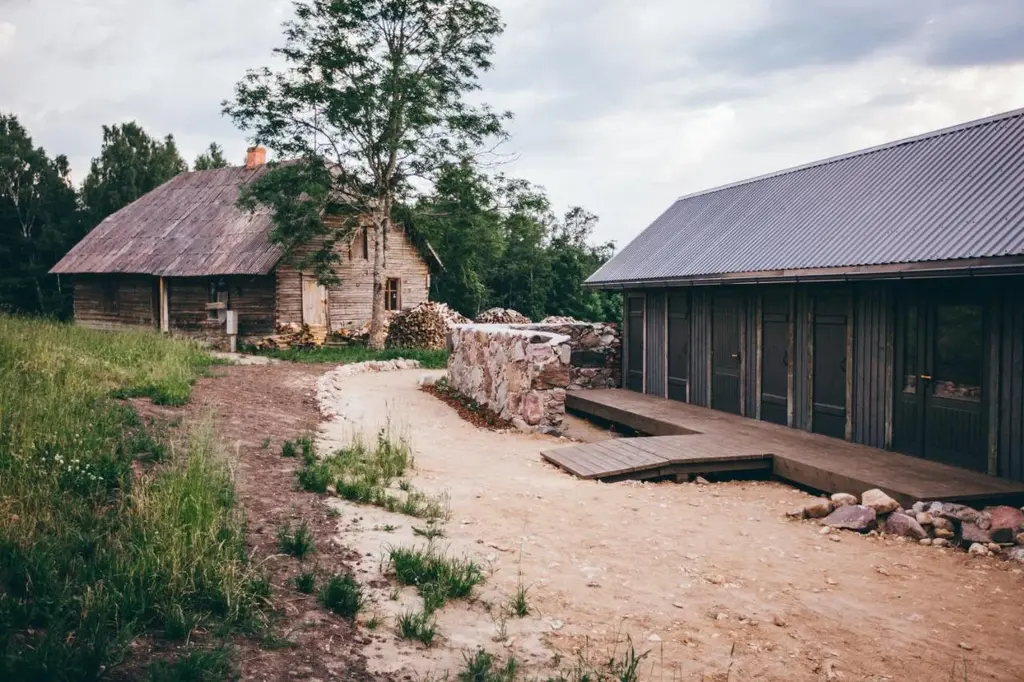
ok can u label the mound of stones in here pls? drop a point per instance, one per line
(501, 316)
(992, 531)
(425, 326)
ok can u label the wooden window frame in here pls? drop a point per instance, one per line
(393, 285)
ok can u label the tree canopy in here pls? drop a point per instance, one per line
(130, 164)
(212, 158)
(373, 96)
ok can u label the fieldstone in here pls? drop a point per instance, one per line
(925, 541)
(1016, 554)
(920, 507)
(700, 480)
(944, 533)
(924, 518)
(940, 523)
(818, 509)
(978, 549)
(904, 526)
(1020, 539)
(934, 508)
(958, 512)
(940, 542)
(971, 534)
(797, 513)
(1005, 521)
(853, 517)
(879, 501)
(994, 547)
(844, 499)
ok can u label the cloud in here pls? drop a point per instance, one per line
(621, 106)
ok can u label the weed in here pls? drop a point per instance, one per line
(387, 528)
(500, 619)
(305, 582)
(343, 595)
(333, 513)
(437, 577)
(615, 669)
(519, 605)
(288, 449)
(265, 444)
(305, 443)
(314, 478)
(396, 593)
(298, 543)
(418, 626)
(179, 623)
(482, 667)
(404, 485)
(373, 622)
(213, 665)
(430, 532)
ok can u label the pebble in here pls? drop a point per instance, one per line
(966, 647)
(925, 541)
(556, 624)
(722, 615)
(779, 621)
(654, 638)
(940, 542)
(700, 480)
(825, 530)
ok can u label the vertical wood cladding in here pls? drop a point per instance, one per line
(657, 353)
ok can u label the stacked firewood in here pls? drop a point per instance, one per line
(292, 335)
(559, 319)
(425, 326)
(502, 316)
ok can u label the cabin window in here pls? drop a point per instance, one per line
(218, 293)
(393, 294)
(365, 235)
(108, 296)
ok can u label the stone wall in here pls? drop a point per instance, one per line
(596, 352)
(520, 374)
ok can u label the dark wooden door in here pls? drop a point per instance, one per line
(775, 359)
(940, 381)
(830, 365)
(635, 343)
(679, 346)
(725, 355)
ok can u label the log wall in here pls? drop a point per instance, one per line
(251, 297)
(350, 302)
(115, 301)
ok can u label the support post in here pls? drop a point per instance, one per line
(165, 308)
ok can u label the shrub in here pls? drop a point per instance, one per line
(288, 449)
(298, 543)
(305, 582)
(342, 595)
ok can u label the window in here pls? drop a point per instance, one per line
(366, 243)
(218, 293)
(393, 294)
(108, 296)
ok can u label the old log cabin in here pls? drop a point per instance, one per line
(180, 257)
(876, 297)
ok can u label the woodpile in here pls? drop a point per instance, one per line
(292, 335)
(502, 316)
(425, 326)
(559, 319)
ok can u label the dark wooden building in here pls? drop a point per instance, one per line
(876, 297)
(182, 256)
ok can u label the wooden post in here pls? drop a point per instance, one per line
(810, 363)
(849, 367)
(791, 357)
(991, 400)
(165, 308)
(758, 355)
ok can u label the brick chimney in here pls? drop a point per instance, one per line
(255, 157)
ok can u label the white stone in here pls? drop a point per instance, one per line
(843, 499)
(879, 501)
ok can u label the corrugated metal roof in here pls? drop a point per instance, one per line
(953, 194)
(187, 227)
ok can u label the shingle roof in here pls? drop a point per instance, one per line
(953, 194)
(187, 227)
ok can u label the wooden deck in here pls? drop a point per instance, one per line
(694, 440)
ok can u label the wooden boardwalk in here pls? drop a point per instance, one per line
(686, 439)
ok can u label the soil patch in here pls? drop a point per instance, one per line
(475, 414)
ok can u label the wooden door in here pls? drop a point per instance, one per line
(830, 365)
(635, 342)
(679, 346)
(775, 359)
(940, 381)
(725, 355)
(314, 302)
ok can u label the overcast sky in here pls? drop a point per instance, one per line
(621, 105)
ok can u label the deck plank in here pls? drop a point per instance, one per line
(696, 438)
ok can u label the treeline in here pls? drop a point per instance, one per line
(500, 241)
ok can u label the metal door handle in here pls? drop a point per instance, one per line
(926, 377)
(735, 356)
(785, 359)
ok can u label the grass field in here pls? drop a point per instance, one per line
(94, 554)
(430, 359)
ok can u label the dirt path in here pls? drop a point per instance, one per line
(712, 579)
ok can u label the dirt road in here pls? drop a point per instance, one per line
(712, 579)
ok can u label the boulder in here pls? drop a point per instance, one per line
(920, 506)
(957, 512)
(944, 533)
(843, 499)
(818, 509)
(879, 501)
(978, 549)
(853, 517)
(940, 523)
(1016, 554)
(924, 518)
(1005, 523)
(971, 534)
(904, 526)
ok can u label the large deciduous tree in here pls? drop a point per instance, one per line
(39, 222)
(212, 158)
(130, 164)
(373, 96)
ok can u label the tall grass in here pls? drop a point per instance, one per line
(92, 554)
(429, 359)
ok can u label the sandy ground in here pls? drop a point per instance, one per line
(711, 579)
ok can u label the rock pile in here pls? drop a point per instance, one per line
(425, 326)
(997, 531)
(501, 316)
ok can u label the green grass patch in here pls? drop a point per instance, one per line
(213, 665)
(305, 582)
(343, 595)
(344, 355)
(421, 627)
(481, 666)
(437, 577)
(91, 555)
(298, 542)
